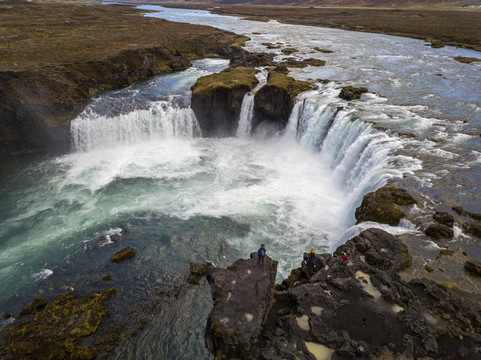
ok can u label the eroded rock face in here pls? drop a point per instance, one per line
(273, 103)
(333, 306)
(380, 206)
(217, 100)
(242, 296)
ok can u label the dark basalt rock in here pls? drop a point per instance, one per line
(473, 267)
(444, 218)
(340, 307)
(242, 296)
(439, 231)
(217, 100)
(246, 59)
(273, 103)
(123, 255)
(380, 206)
(352, 93)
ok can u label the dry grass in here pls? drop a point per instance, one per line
(39, 34)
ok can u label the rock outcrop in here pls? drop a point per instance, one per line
(380, 206)
(352, 93)
(273, 102)
(217, 100)
(242, 296)
(361, 309)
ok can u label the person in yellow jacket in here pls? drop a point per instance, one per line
(312, 258)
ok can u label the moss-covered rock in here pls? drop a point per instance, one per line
(289, 51)
(273, 103)
(380, 206)
(444, 218)
(439, 231)
(198, 271)
(57, 331)
(217, 100)
(466, 60)
(352, 93)
(124, 254)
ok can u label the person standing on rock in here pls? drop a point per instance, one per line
(344, 258)
(261, 254)
(312, 257)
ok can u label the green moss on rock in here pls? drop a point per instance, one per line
(239, 77)
(379, 206)
(466, 60)
(123, 255)
(352, 93)
(57, 331)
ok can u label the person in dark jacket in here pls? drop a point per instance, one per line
(261, 254)
(312, 258)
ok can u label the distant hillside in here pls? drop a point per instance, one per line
(334, 3)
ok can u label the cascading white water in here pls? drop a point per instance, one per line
(247, 108)
(163, 118)
(360, 158)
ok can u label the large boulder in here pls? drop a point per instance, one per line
(242, 296)
(217, 100)
(273, 103)
(380, 206)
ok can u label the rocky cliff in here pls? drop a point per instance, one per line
(47, 81)
(217, 100)
(339, 311)
(273, 103)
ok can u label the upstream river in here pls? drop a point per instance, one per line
(139, 163)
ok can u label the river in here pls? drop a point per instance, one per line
(138, 163)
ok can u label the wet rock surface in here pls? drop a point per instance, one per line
(334, 309)
(352, 93)
(123, 255)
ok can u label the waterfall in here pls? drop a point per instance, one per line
(247, 108)
(91, 130)
(359, 157)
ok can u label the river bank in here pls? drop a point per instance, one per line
(439, 27)
(57, 56)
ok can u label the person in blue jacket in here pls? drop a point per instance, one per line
(261, 254)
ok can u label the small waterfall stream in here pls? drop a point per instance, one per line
(247, 108)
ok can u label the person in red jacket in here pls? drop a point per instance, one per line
(344, 258)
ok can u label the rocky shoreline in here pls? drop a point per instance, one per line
(367, 308)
